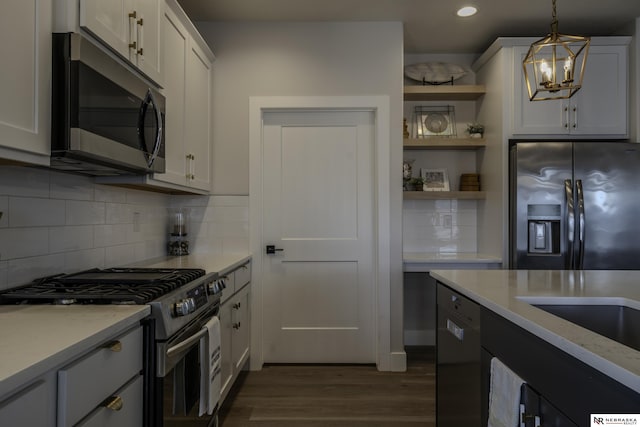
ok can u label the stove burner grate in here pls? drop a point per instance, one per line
(108, 286)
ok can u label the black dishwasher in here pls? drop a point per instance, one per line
(458, 360)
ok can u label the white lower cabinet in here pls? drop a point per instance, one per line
(105, 386)
(33, 406)
(235, 332)
(129, 413)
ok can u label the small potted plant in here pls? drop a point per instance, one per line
(475, 130)
(414, 184)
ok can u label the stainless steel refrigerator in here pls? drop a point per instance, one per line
(574, 205)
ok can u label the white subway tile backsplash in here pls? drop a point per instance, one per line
(85, 213)
(118, 213)
(24, 182)
(4, 267)
(55, 222)
(138, 197)
(23, 242)
(441, 226)
(107, 193)
(110, 235)
(4, 208)
(36, 212)
(71, 187)
(221, 229)
(84, 260)
(230, 214)
(64, 239)
(24, 270)
(230, 201)
(116, 256)
(235, 245)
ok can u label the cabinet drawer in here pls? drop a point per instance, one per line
(130, 415)
(243, 275)
(84, 384)
(230, 286)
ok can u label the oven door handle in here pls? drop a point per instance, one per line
(181, 346)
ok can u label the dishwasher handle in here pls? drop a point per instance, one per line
(455, 330)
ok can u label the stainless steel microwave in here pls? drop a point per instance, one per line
(105, 119)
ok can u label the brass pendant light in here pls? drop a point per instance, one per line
(551, 63)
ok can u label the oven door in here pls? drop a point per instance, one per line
(178, 377)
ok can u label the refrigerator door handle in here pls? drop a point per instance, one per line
(571, 223)
(581, 220)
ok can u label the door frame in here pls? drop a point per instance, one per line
(380, 107)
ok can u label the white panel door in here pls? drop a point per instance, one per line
(318, 203)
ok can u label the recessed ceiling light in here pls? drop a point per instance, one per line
(467, 11)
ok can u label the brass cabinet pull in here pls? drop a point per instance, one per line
(133, 15)
(133, 45)
(115, 403)
(140, 22)
(115, 346)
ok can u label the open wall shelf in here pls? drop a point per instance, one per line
(444, 195)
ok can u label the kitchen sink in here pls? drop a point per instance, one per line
(615, 321)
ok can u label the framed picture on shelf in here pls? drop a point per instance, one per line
(434, 121)
(434, 179)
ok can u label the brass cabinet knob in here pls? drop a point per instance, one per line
(115, 346)
(115, 403)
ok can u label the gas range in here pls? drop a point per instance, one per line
(176, 296)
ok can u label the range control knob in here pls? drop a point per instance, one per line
(184, 307)
(213, 288)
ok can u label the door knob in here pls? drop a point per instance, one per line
(271, 249)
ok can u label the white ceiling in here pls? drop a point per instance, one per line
(431, 26)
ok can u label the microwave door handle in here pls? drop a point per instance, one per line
(159, 131)
(568, 191)
(581, 224)
(151, 155)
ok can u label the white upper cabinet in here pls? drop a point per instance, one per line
(187, 69)
(129, 27)
(598, 109)
(25, 28)
(198, 115)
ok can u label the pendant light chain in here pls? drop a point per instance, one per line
(554, 19)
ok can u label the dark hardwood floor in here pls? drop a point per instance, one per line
(335, 395)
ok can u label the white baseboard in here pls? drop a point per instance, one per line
(398, 361)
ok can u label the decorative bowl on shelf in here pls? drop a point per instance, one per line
(434, 72)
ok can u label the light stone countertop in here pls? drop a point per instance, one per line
(211, 263)
(500, 291)
(426, 261)
(34, 339)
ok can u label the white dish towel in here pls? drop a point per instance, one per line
(210, 378)
(504, 396)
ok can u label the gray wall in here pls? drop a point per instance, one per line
(299, 59)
